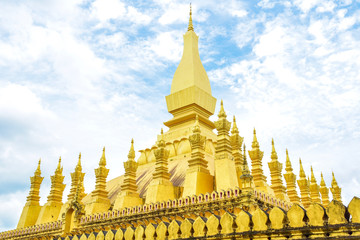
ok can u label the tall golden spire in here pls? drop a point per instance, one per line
(50, 211)
(32, 206)
(314, 189)
(36, 180)
(290, 179)
(190, 27)
(100, 201)
(160, 188)
(129, 197)
(276, 177)
(223, 154)
(57, 186)
(256, 156)
(335, 189)
(324, 192)
(190, 92)
(236, 143)
(304, 187)
(245, 169)
(246, 182)
(197, 172)
(77, 182)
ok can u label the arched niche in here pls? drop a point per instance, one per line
(142, 159)
(170, 147)
(150, 155)
(184, 147)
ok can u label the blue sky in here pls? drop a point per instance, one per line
(79, 75)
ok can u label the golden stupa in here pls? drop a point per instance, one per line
(192, 184)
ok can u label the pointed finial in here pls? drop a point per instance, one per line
(274, 156)
(131, 155)
(78, 167)
(302, 172)
(322, 182)
(288, 163)
(161, 142)
(196, 127)
(313, 179)
(333, 182)
(79, 162)
(58, 169)
(255, 143)
(222, 113)
(235, 129)
(190, 27)
(103, 159)
(38, 171)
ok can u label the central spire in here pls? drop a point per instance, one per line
(190, 93)
(190, 71)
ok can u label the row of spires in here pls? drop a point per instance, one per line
(232, 147)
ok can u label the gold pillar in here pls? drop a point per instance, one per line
(160, 188)
(246, 180)
(77, 177)
(77, 187)
(335, 189)
(324, 192)
(129, 197)
(51, 210)
(236, 142)
(225, 173)
(99, 197)
(304, 187)
(314, 189)
(290, 179)
(276, 177)
(32, 207)
(256, 156)
(198, 179)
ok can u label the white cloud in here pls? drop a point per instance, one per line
(238, 13)
(19, 102)
(306, 5)
(11, 207)
(175, 12)
(168, 46)
(108, 9)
